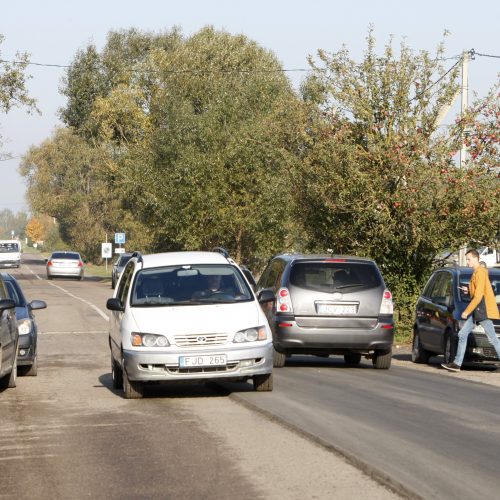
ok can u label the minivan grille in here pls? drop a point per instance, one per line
(198, 340)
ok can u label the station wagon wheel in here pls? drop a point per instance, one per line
(450, 347)
(116, 374)
(352, 358)
(263, 383)
(278, 359)
(382, 360)
(418, 353)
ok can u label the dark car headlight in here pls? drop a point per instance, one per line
(24, 326)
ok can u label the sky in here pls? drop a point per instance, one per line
(53, 31)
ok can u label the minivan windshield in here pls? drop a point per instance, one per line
(189, 285)
(334, 276)
(464, 280)
(9, 247)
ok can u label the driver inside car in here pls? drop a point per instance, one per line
(214, 286)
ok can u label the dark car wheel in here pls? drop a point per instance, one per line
(418, 353)
(450, 347)
(263, 383)
(116, 374)
(10, 380)
(278, 359)
(113, 283)
(32, 370)
(352, 358)
(382, 360)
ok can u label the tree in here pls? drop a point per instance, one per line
(378, 178)
(12, 222)
(13, 91)
(199, 133)
(35, 230)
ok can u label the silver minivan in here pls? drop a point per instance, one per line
(187, 316)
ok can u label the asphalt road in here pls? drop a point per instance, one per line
(67, 434)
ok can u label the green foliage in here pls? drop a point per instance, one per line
(377, 177)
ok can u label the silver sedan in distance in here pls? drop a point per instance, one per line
(65, 265)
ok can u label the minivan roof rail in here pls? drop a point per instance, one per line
(139, 256)
(222, 251)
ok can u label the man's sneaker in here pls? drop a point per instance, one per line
(451, 367)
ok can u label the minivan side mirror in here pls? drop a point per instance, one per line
(114, 304)
(266, 295)
(7, 304)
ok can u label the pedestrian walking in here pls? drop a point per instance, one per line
(482, 309)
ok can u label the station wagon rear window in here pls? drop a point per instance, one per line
(333, 276)
(65, 255)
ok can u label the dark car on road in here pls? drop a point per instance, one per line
(8, 339)
(328, 305)
(27, 359)
(438, 317)
(118, 267)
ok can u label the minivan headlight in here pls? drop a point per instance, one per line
(24, 326)
(149, 340)
(250, 335)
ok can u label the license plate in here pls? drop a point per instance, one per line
(337, 309)
(193, 361)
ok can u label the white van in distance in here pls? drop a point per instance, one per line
(10, 253)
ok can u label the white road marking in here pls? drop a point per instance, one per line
(94, 307)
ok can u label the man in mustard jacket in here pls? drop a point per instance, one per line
(479, 288)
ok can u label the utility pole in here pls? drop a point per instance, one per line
(464, 105)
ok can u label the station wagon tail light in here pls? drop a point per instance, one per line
(80, 263)
(284, 302)
(49, 263)
(387, 306)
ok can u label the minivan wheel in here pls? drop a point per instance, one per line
(278, 359)
(450, 347)
(116, 374)
(382, 360)
(352, 358)
(263, 383)
(133, 389)
(418, 353)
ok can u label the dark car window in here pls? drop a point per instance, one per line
(443, 288)
(188, 285)
(11, 289)
(330, 276)
(494, 275)
(122, 261)
(65, 255)
(3, 291)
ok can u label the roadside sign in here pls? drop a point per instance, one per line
(106, 250)
(119, 238)
(120, 250)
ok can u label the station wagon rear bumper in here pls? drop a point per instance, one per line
(290, 338)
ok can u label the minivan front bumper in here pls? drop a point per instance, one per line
(296, 339)
(242, 363)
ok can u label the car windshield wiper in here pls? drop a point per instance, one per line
(353, 285)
